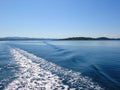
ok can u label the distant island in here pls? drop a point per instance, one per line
(90, 38)
(70, 38)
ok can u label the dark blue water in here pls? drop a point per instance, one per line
(98, 60)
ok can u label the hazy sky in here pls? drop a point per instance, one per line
(59, 18)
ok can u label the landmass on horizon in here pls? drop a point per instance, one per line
(70, 38)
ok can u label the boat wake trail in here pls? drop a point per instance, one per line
(36, 73)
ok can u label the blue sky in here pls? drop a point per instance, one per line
(59, 18)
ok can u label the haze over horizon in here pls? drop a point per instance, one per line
(60, 18)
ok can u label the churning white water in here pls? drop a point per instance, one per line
(36, 73)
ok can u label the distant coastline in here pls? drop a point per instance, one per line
(22, 39)
(90, 38)
(70, 38)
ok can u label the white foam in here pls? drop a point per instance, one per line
(31, 76)
(36, 73)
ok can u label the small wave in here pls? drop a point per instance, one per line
(106, 76)
(54, 46)
(59, 50)
(39, 74)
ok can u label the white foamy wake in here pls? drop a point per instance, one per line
(36, 73)
(32, 77)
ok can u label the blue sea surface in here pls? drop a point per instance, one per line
(99, 61)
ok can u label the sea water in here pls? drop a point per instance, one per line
(60, 65)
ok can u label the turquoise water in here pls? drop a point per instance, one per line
(77, 65)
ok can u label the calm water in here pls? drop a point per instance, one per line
(60, 65)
